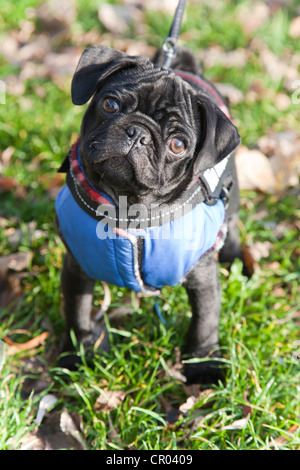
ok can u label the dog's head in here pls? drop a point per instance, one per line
(146, 132)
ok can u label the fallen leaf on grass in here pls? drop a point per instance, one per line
(166, 6)
(281, 440)
(15, 261)
(247, 408)
(109, 400)
(30, 442)
(118, 18)
(294, 31)
(56, 432)
(196, 394)
(283, 149)
(10, 289)
(254, 171)
(10, 283)
(7, 184)
(277, 68)
(71, 424)
(28, 345)
(252, 16)
(56, 15)
(233, 94)
(5, 156)
(215, 55)
(16, 235)
(252, 254)
(188, 405)
(237, 425)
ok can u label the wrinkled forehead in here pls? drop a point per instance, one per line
(151, 82)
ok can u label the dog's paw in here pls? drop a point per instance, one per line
(204, 373)
(70, 361)
(97, 340)
(208, 371)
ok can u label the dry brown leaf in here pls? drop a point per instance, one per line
(33, 343)
(117, 18)
(215, 55)
(236, 425)
(196, 394)
(62, 63)
(15, 261)
(233, 94)
(282, 101)
(109, 400)
(6, 155)
(257, 90)
(247, 408)
(294, 30)
(56, 15)
(283, 148)
(30, 442)
(282, 440)
(188, 405)
(252, 254)
(254, 171)
(113, 18)
(35, 50)
(7, 184)
(10, 290)
(167, 6)
(252, 16)
(72, 424)
(57, 431)
(278, 68)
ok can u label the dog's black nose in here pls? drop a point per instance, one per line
(138, 134)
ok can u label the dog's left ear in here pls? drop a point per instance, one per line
(95, 64)
(219, 136)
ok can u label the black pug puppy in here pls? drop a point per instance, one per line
(151, 193)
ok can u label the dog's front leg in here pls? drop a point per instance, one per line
(203, 289)
(77, 289)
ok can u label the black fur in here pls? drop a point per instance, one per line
(126, 154)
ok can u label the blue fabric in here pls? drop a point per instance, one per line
(170, 250)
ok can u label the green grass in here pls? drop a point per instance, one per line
(258, 327)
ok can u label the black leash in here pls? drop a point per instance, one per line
(169, 45)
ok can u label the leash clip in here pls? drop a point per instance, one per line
(169, 44)
(170, 50)
(225, 194)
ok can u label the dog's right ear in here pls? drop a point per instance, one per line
(95, 64)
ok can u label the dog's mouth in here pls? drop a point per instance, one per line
(127, 169)
(117, 176)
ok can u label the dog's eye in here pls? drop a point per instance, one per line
(177, 146)
(110, 106)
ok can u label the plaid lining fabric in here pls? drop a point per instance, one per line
(81, 178)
